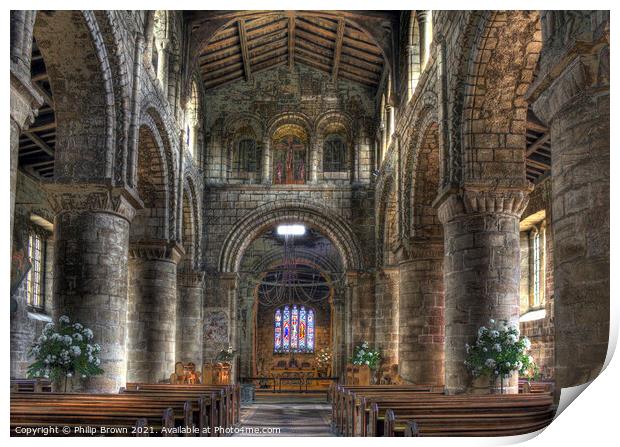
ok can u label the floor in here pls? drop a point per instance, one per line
(291, 414)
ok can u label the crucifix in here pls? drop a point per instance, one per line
(290, 163)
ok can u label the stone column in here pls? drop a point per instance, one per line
(24, 102)
(481, 273)
(338, 333)
(152, 310)
(421, 314)
(386, 314)
(189, 318)
(571, 95)
(91, 236)
(266, 161)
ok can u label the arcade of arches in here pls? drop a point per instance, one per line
(448, 167)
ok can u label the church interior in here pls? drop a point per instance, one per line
(324, 221)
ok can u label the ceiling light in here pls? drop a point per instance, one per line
(291, 230)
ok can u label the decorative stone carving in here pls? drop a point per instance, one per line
(156, 250)
(81, 197)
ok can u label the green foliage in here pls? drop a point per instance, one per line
(363, 355)
(499, 351)
(65, 350)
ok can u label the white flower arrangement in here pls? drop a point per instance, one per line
(499, 351)
(363, 355)
(65, 351)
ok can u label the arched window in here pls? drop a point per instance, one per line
(334, 154)
(247, 156)
(289, 160)
(293, 329)
(413, 50)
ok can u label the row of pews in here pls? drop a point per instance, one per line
(425, 410)
(137, 410)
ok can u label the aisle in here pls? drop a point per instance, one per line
(294, 416)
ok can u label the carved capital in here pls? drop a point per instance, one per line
(575, 68)
(190, 279)
(426, 249)
(472, 200)
(25, 100)
(156, 250)
(83, 197)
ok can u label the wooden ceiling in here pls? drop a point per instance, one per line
(538, 149)
(37, 144)
(249, 44)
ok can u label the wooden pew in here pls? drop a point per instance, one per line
(118, 420)
(233, 394)
(228, 397)
(347, 399)
(31, 386)
(532, 387)
(471, 415)
(187, 413)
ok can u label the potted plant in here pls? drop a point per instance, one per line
(498, 352)
(65, 350)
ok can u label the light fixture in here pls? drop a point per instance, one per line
(291, 230)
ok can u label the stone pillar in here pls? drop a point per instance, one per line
(189, 318)
(386, 314)
(91, 236)
(338, 333)
(421, 314)
(24, 102)
(266, 161)
(571, 95)
(481, 273)
(152, 310)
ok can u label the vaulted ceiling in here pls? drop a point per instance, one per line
(253, 42)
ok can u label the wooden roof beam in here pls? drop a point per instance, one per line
(244, 50)
(291, 41)
(538, 144)
(39, 142)
(338, 49)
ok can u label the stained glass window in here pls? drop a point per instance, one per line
(310, 335)
(286, 338)
(277, 331)
(294, 329)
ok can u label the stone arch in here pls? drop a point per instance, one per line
(387, 228)
(335, 123)
(191, 204)
(84, 95)
(152, 221)
(425, 223)
(152, 120)
(111, 27)
(250, 226)
(425, 114)
(298, 119)
(501, 69)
